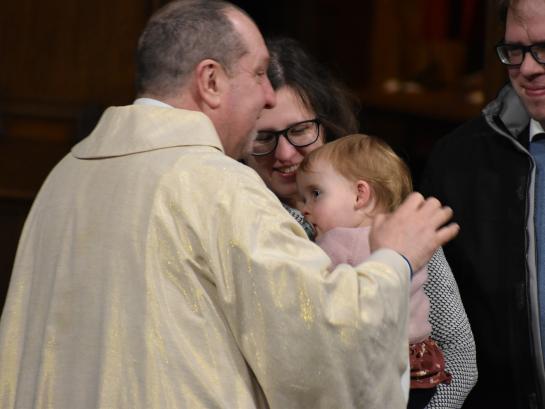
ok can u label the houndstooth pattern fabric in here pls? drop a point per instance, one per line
(297, 215)
(451, 330)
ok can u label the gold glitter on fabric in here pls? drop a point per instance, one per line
(166, 275)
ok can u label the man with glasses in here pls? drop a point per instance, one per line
(491, 171)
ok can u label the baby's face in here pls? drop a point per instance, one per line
(328, 198)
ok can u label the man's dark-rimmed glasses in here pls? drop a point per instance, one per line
(512, 55)
(300, 134)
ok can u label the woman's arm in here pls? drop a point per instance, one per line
(451, 330)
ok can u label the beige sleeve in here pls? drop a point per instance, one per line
(313, 338)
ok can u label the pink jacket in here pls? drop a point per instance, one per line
(351, 246)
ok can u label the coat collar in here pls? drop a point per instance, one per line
(507, 113)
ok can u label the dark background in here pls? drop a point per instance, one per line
(63, 61)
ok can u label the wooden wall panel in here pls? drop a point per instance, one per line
(69, 51)
(338, 33)
(61, 61)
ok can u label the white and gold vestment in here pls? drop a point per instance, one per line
(156, 272)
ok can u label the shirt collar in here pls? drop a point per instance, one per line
(151, 101)
(535, 128)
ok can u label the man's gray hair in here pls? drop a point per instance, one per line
(178, 37)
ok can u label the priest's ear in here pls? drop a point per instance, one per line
(364, 194)
(212, 81)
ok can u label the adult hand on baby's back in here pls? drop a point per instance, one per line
(415, 230)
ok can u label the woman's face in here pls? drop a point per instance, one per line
(278, 168)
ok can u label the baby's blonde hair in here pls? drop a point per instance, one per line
(368, 158)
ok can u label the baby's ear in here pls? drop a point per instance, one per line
(363, 194)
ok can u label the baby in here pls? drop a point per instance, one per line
(343, 185)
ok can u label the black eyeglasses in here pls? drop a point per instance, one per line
(301, 134)
(512, 55)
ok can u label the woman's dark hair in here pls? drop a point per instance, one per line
(292, 66)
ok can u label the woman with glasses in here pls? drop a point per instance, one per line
(311, 109)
